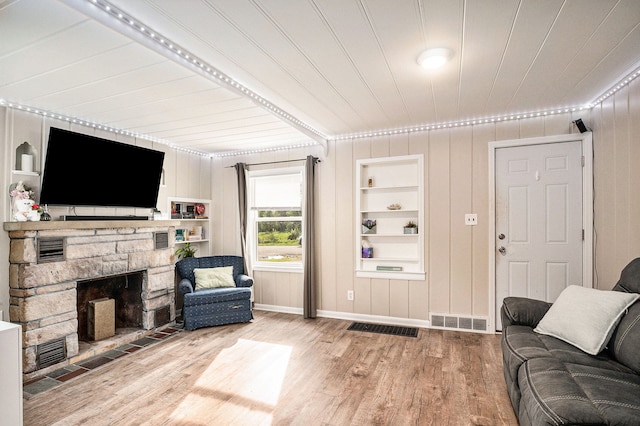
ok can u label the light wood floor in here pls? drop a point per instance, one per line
(284, 370)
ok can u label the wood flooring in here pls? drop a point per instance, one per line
(283, 370)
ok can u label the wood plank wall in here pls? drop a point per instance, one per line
(456, 182)
(456, 178)
(616, 130)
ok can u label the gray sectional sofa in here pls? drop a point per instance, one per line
(553, 382)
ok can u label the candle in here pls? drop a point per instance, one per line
(26, 164)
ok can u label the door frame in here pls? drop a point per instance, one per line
(586, 140)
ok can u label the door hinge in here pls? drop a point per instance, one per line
(582, 159)
(583, 235)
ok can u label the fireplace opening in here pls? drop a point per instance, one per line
(125, 290)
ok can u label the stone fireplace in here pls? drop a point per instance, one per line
(57, 267)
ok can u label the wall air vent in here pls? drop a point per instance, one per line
(51, 353)
(458, 323)
(161, 240)
(51, 250)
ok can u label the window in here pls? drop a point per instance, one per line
(275, 218)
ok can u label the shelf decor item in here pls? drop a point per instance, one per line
(200, 209)
(369, 226)
(367, 250)
(45, 216)
(394, 206)
(23, 206)
(411, 228)
(186, 251)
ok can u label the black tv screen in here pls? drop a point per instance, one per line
(83, 170)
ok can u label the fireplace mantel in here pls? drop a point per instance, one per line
(87, 224)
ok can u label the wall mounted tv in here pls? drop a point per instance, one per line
(83, 170)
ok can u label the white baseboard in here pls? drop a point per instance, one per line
(349, 316)
(276, 308)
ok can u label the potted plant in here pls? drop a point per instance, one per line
(369, 226)
(186, 251)
(411, 228)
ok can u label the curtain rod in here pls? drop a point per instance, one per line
(316, 159)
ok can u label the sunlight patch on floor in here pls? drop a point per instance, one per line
(243, 381)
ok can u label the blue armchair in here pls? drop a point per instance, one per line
(214, 306)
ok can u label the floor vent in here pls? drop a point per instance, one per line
(384, 329)
(51, 353)
(161, 240)
(459, 323)
(51, 250)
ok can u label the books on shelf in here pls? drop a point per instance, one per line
(388, 268)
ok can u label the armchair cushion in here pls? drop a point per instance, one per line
(214, 277)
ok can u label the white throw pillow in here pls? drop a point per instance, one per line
(214, 277)
(585, 317)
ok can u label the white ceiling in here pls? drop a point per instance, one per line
(323, 68)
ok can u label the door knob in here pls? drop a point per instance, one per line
(502, 250)
(501, 236)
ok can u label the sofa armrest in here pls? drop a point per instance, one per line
(185, 286)
(243, 280)
(522, 311)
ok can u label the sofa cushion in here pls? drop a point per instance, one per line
(629, 278)
(554, 392)
(585, 317)
(551, 396)
(625, 344)
(520, 344)
(214, 277)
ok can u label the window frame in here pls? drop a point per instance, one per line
(253, 218)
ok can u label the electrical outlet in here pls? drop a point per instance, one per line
(349, 294)
(471, 219)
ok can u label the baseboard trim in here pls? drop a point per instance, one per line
(276, 308)
(348, 316)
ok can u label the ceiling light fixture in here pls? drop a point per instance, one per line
(434, 58)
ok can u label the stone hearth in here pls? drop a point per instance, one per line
(43, 287)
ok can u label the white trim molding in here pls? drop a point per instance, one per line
(587, 207)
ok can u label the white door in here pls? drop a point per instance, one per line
(538, 211)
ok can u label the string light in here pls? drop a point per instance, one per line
(460, 123)
(95, 125)
(184, 56)
(217, 75)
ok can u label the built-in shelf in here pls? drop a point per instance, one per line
(195, 225)
(382, 183)
(22, 172)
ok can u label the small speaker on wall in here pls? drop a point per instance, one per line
(580, 125)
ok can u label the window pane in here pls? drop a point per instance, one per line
(278, 191)
(279, 213)
(280, 241)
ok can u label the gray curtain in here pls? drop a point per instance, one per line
(308, 240)
(241, 169)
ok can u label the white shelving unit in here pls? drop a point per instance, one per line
(195, 225)
(11, 373)
(382, 183)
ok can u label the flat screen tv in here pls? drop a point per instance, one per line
(83, 170)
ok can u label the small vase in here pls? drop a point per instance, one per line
(45, 216)
(413, 230)
(371, 230)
